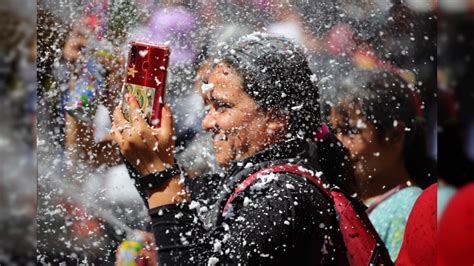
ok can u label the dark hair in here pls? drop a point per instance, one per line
(277, 76)
(385, 99)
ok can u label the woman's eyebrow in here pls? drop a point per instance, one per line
(216, 98)
(219, 100)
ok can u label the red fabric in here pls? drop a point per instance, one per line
(419, 241)
(359, 245)
(321, 133)
(456, 230)
(360, 237)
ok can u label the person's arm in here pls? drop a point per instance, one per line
(79, 135)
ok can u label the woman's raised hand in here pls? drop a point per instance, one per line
(147, 149)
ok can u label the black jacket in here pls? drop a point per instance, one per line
(280, 219)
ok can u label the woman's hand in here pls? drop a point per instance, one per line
(147, 149)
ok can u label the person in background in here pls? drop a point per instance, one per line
(374, 114)
(88, 163)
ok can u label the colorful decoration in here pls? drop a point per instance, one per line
(128, 253)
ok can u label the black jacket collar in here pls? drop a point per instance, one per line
(290, 149)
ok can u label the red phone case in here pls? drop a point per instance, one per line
(146, 79)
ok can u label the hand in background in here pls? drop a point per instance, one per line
(147, 255)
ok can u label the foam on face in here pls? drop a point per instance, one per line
(207, 87)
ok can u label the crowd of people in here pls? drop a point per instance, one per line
(265, 100)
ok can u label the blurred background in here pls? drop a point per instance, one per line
(57, 164)
(18, 161)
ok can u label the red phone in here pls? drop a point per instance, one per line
(146, 79)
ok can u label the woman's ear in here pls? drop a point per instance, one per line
(277, 124)
(396, 136)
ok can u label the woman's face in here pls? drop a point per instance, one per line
(240, 128)
(370, 154)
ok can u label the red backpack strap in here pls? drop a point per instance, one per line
(364, 246)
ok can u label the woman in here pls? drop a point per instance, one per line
(261, 105)
(375, 117)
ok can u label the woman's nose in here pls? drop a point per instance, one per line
(209, 121)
